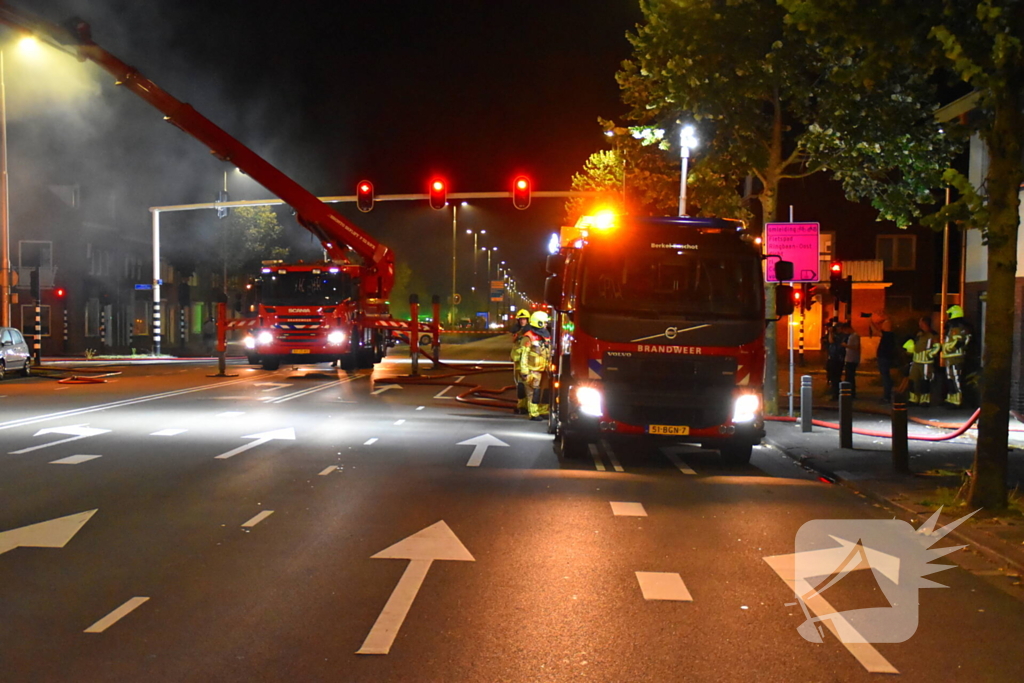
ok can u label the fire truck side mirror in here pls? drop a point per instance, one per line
(784, 304)
(553, 291)
(555, 263)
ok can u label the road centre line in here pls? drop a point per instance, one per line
(257, 519)
(597, 458)
(115, 616)
(682, 466)
(313, 390)
(607, 447)
(116, 404)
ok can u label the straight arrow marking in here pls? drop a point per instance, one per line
(436, 542)
(480, 445)
(287, 434)
(54, 533)
(76, 431)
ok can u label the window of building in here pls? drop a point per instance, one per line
(897, 252)
(28, 320)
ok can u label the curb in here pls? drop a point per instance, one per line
(990, 552)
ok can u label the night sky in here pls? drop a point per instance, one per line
(331, 93)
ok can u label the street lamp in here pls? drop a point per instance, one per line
(475, 234)
(687, 141)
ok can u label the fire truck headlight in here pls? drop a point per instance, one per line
(745, 408)
(336, 337)
(250, 342)
(265, 338)
(590, 401)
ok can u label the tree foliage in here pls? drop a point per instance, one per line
(250, 235)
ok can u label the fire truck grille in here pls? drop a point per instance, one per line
(658, 389)
(298, 328)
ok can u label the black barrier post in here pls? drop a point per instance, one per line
(806, 403)
(845, 415)
(414, 334)
(436, 303)
(222, 341)
(900, 449)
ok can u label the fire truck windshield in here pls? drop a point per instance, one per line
(305, 289)
(671, 283)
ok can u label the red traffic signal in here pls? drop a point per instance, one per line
(60, 292)
(364, 196)
(521, 192)
(438, 192)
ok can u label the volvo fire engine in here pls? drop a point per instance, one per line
(333, 310)
(659, 332)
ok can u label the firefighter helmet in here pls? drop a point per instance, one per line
(955, 311)
(539, 319)
(523, 313)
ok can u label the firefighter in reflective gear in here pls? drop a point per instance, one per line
(954, 351)
(521, 325)
(519, 351)
(535, 366)
(923, 349)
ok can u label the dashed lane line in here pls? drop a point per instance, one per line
(116, 616)
(399, 423)
(75, 459)
(597, 458)
(607, 448)
(663, 586)
(327, 470)
(680, 465)
(441, 394)
(620, 509)
(370, 442)
(169, 432)
(257, 519)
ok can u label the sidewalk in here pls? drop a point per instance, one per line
(938, 467)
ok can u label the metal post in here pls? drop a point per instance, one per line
(414, 334)
(455, 226)
(685, 153)
(900, 450)
(435, 302)
(806, 404)
(845, 415)
(792, 368)
(5, 233)
(37, 338)
(156, 281)
(944, 296)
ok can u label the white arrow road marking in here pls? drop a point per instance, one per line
(76, 431)
(169, 432)
(829, 559)
(54, 533)
(628, 509)
(663, 586)
(287, 434)
(116, 616)
(441, 394)
(257, 519)
(274, 386)
(386, 387)
(480, 445)
(436, 542)
(75, 459)
(312, 390)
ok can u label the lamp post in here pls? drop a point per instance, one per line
(687, 141)
(5, 235)
(455, 243)
(476, 234)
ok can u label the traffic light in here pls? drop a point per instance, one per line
(835, 278)
(364, 196)
(223, 211)
(807, 292)
(33, 284)
(60, 292)
(438, 194)
(798, 299)
(521, 192)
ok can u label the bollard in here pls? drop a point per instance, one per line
(436, 303)
(222, 341)
(845, 415)
(37, 337)
(103, 327)
(414, 334)
(900, 450)
(806, 403)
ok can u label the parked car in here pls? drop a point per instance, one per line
(14, 353)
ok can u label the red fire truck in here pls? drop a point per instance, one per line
(332, 310)
(659, 332)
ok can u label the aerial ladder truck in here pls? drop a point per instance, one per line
(332, 310)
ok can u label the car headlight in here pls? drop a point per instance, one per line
(250, 342)
(335, 337)
(590, 401)
(745, 407)
(265, 338)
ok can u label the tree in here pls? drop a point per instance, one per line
(879, 52)
(251, 235)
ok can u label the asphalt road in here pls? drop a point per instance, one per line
(258, 565)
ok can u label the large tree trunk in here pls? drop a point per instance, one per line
(1005, 173)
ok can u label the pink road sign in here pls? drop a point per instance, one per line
(794, 242)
